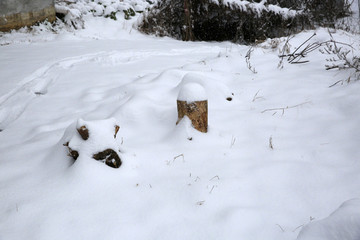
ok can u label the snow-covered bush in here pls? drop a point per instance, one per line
(342, 58)
(320, 11)
(239, 21)
(72, 12)
(325, 12)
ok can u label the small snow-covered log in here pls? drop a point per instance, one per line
(96, 139)
(192, 102)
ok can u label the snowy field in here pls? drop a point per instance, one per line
(278, 159)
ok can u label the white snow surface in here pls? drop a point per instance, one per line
(283, 152)
(191, 92)
(343, 224)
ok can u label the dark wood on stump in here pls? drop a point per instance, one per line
(196, 111)
(110, 157)
(116, 130)
(84, 132)
(72, 153)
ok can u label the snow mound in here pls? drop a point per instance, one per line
(343, 224)
(192, 92)
(184, 130)
(214, 90)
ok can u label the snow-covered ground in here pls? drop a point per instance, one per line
(284, 152)
(341, 224)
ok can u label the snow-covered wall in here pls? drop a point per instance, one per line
(18, 13)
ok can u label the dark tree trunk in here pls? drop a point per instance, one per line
(189, 36)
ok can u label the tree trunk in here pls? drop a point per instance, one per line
(189, 36)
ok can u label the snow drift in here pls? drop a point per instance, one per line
(342, 224)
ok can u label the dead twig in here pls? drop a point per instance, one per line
(311, 219)
(168, 162)
(280, 227)
(271, 146)
(256, 97)
(181, 155)
(212, 188)
(200, 203)
(340, 81)
(298, 227)
(247, 59)
(285, 108)
(233, 140)
(215, 177)
(341, 59)
(296, 57)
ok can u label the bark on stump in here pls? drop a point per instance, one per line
(196, 111)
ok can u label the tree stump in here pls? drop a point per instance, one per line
(192, 102)
(98, 138)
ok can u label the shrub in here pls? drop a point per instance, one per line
(242, 21)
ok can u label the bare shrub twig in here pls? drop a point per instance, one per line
(285, 108)
(247, 59)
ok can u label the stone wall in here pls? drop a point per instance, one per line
(15, 14)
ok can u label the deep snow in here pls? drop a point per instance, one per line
(344, 223)
(283, 153)
(191, 91)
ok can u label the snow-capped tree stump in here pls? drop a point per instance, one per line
(96, 139)
(192, 102)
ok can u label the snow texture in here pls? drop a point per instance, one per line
(260, 7)
(342, 224)
(191, 92)
(284, 150)
(75, 11)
